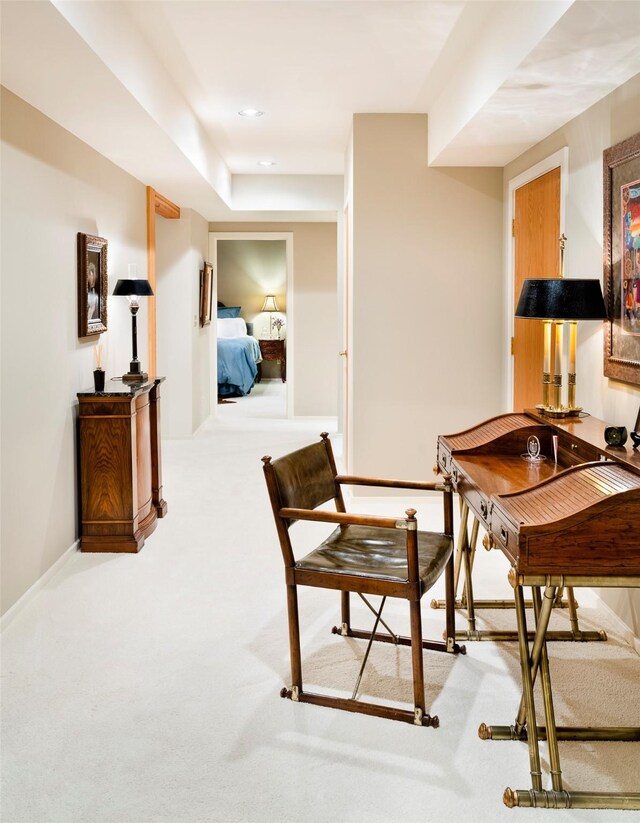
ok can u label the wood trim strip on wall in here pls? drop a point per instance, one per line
(165, 208)
(156, 204)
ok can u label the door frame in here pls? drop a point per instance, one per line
(287, 236)
(559, 159)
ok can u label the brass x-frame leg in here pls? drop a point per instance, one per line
(534, 661)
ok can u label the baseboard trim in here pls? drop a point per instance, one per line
(20, 604)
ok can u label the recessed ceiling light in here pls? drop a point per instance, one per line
(250, 113)
(266, 162)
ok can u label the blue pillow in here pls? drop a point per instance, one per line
(229, 311)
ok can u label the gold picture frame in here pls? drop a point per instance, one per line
(206, 294)
(621, 260)
(92, 285)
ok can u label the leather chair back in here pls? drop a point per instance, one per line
(305, 478)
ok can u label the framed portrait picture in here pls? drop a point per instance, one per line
(621, 249)
(92, 285)
(206, 294)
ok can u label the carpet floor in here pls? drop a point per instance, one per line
(145, 688)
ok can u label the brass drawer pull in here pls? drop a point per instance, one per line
(504, 535)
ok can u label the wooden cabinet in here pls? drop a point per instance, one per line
(119, 466)
(273, 350)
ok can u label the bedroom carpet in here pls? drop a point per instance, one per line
(145, 688)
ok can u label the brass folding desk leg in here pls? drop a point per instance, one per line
(543, 612)
(527, 690)
(526, 727)
(547, 696)
(468, 589)
(473, 542)
(462, 539)
(573, 613)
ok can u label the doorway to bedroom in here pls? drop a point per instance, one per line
(253, 324)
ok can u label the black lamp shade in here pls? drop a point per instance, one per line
(127, 288)
(561, 299)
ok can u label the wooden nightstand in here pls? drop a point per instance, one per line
(273, 350)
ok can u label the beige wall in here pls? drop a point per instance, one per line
(613, 119)
(53, 186)
(426, 282)
(202, 341)
(183, 346)
(315, 306)
(247, 271)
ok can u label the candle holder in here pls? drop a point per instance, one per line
(98, 380)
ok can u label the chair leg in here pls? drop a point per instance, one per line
(417, 717)
(450, 616)
(346, 614)
(294, 645)
(418, 667)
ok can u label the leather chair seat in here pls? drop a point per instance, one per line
(370, 551)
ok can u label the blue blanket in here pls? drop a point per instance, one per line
(237, 369)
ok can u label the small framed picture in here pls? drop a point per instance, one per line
(206, 294)
(92, 285)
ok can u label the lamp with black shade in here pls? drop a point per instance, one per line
(270, 305)
(557, 300)
(133, 289)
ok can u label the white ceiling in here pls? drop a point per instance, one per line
(156, 85)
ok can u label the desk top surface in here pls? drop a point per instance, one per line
(117, 388)
(579, 516)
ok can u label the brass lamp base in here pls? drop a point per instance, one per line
(135, 373)
(559, 412)
(133, 377)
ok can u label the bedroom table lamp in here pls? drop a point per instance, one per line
(270, 305)
(557, 300)
(133, 289)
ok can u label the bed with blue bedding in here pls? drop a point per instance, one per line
(238, 358)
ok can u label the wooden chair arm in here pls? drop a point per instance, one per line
(342, 518)
(350, 480)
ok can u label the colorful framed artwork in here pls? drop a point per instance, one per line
(206, 294)
(621, 249)
(92, 285)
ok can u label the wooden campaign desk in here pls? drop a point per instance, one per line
(564, 524)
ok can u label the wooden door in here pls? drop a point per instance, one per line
(536, 231)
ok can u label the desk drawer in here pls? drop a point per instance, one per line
(272, 349)
(444, 458)
(573, 452)
(477, 501)
(504, 533)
